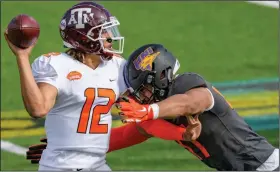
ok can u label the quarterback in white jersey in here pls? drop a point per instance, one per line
(76, 90)
(79, 124)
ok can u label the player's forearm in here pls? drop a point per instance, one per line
(32, 97)
(174, 106)
(125, 136)
(192, 102)
(163, 129)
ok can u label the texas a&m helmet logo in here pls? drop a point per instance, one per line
(78, 17)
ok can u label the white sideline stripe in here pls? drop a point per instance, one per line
(273, 4)
(13, 148)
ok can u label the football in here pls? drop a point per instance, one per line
(23, 31)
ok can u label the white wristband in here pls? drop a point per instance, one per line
(155, 108)
(213, 101)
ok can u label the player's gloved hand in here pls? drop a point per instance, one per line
(34, 152)
(132, 111)
(193, 128)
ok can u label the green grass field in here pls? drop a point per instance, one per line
(223, 41)
(153, 154)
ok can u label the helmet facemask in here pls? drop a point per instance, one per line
(148, 92)
(111, 29)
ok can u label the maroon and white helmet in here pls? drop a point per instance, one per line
(82, 27)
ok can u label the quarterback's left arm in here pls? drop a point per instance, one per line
(190, 96)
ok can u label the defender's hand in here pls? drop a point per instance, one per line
(34, 152)
(193, 128)
(19, 52)
(131, 111)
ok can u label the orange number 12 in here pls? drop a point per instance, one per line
(98, 110)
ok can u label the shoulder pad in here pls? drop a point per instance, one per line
(185, 82)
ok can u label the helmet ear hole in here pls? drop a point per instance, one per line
(153, 66)
(163, 75)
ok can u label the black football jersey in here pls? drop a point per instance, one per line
(226, 142)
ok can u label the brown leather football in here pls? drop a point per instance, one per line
(23, 31)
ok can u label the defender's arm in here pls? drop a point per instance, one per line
(194, 101)
(189, 95)
(132, 134)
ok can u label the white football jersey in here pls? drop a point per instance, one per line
(78, 126)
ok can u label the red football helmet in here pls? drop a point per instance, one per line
(87, 25)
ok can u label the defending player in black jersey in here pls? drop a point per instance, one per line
(226, 141)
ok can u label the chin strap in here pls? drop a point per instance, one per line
(106, 56)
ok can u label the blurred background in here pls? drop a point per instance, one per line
(231, 44)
